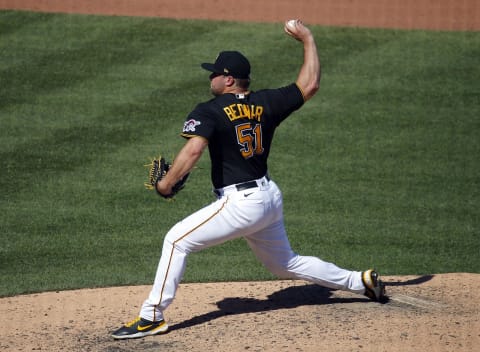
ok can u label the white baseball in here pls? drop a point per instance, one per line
(291, 24)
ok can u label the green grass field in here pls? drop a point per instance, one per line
(381, 168)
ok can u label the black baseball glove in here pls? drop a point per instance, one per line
(158, 169)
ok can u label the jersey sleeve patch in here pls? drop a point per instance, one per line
(190, 126)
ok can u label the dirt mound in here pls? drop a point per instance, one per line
(424, 313)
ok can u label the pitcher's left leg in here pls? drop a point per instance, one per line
(204, 228)
(227, 218)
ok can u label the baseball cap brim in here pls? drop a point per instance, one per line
(210, 67)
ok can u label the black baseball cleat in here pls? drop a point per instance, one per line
(374, 287)
(140, 327)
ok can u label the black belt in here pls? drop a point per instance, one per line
(244, 185)
(249, 184)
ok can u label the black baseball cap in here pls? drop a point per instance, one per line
(230, 63)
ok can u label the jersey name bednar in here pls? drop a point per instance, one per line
(243, 111)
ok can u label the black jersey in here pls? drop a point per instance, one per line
(239, 129)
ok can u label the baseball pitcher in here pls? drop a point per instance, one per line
(237, 126)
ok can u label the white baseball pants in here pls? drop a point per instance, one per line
(255, 214)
